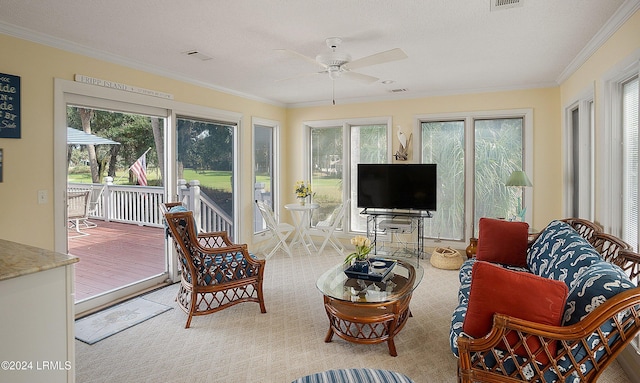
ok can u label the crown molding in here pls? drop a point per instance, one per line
(418, 95)
(623, 13)
(41, 38)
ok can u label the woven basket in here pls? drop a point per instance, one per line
(446, 258)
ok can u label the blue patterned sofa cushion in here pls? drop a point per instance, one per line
(355, 375)
(593, 287)
(560, 253)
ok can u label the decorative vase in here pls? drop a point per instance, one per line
(472, 248)
(302, 201)
(361, 266)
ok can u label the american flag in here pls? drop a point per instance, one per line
(139, 168)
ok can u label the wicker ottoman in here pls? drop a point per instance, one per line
(355, 375)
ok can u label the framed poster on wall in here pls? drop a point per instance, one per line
(9, 106)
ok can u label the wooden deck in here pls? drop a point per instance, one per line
(115, 255)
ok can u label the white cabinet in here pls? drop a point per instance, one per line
(36, 315)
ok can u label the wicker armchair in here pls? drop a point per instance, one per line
(216, 273)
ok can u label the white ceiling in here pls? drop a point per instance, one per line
(453, 47)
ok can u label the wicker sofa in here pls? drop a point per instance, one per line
(566, 312)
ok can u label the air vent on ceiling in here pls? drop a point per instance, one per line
(497, 5)
(399, 90)
(198, 55)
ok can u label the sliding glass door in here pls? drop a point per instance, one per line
(115, 183)
(206, 153)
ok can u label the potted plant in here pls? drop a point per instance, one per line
(302, 190)
(359, 257)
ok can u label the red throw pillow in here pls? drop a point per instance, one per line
(503, 242)
(518, 294)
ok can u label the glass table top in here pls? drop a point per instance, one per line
(402, 280)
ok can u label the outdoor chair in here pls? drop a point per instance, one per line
(328, 228)
(215, 273)
(78, 211)
(279, 231)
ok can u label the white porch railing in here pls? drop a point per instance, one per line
(209, 216)
(141, 204)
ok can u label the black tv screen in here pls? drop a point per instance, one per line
(397, 186)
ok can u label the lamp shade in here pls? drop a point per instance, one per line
(518, 178)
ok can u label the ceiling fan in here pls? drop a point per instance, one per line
(339, 64)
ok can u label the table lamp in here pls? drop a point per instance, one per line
(519, 179)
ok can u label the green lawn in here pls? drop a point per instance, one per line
(213, 179)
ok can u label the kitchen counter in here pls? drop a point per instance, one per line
(17, 259)
(37, 315)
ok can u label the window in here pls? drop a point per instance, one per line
(475, 156)
(498, 152)
(326, 170)
(580, 160)
(206, 153)
(620, 106)
(443, 144)
(333, 144)
(630, 166)
(368, 146)
(264, 168)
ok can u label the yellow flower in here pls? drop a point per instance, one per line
(302, 189)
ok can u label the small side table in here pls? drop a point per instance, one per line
(301, 215)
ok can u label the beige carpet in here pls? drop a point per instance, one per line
(240, 344)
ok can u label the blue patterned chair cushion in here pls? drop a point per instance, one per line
(175, 209)
(225, 267)
(355, 375)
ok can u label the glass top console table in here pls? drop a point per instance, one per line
(364, 311)
(396, 221)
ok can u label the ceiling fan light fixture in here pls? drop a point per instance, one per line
(333, 59)
(334, 71)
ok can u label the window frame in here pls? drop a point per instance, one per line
(609, 206)
(346, 125)
(275, 163)
(469, 159)
(585, 105)
(73, 92)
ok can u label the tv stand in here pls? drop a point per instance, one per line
(396, 221)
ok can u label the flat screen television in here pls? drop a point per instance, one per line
(397, 186)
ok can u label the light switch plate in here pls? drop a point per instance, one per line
(43, 197)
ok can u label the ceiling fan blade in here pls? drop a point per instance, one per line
(300, 55)
(359, 77)
(378, 58)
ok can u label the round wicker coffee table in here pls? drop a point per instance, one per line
(366, 311)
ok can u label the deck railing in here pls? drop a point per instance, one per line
(209, 216)
(141, 204)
